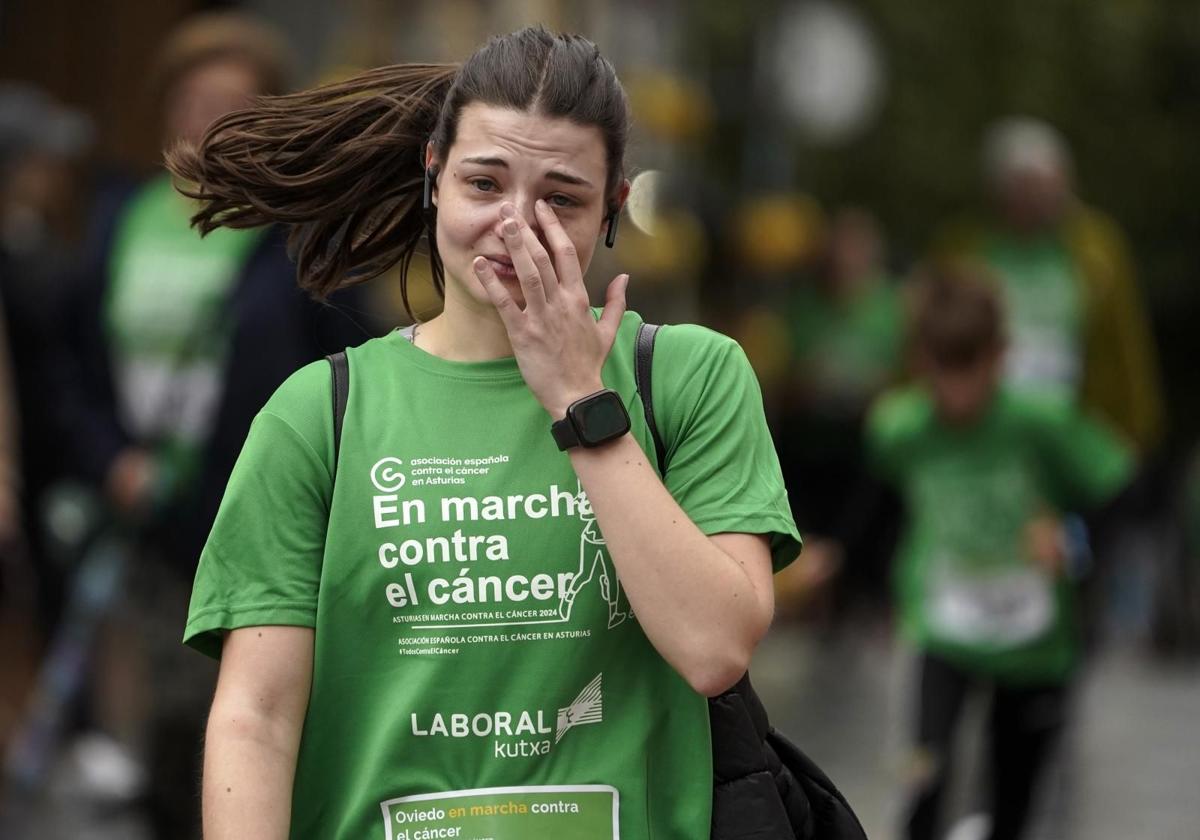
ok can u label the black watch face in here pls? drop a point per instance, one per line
(601, 418)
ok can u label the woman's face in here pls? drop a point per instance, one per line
(207, 91)
(503, 156)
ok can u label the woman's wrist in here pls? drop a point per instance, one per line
(586, 459)
(567, 396)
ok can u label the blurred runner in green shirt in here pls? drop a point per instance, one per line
(985, 472)
(846, 321)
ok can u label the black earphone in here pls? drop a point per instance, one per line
(610, 238)
(431, 173)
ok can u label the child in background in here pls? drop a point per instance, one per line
(985, 475)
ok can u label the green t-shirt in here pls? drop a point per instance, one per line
(1044, 301)
(966, 586)
(846, 350)
(478, 671)
(163, 316)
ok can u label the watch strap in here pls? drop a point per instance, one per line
(564, 434)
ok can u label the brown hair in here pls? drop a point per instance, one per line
(217, 35)
(956, 314)
(343, 164)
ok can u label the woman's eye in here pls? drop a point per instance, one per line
(561, 201)
(484, 184)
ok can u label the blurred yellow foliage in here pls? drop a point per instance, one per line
(669, 107)
(778, 232)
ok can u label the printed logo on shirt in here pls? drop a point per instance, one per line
(517, 734)
(386, 476)
(588, 707)
(458, 578)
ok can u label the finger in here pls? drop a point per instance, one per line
(510, 312)
(529, 275)
(566, 256)
(614, 306)
(543, 261)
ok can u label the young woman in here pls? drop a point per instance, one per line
(454, 623)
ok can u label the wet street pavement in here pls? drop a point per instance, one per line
(1129, 768)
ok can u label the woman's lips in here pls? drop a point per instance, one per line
(503, 267)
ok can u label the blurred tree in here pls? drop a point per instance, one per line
(1120, 78)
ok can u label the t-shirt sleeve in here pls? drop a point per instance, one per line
(722, 468)
(1087, 464)
(262, 562)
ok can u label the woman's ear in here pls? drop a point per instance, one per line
(622, 194)
(614, 209)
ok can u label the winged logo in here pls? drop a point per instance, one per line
(588, 707)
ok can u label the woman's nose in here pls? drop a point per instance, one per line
(525, 206)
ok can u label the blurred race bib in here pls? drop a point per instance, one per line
(1003, 607)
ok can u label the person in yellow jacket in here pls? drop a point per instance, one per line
(1079, 329)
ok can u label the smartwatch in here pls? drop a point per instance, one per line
(591, 421)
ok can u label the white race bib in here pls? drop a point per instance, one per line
(1005, 607)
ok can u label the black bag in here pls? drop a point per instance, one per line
(764, 787)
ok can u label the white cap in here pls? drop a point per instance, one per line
(1023, 144)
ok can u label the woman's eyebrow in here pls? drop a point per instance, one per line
(552, 175)
(567, 178)
(486, 161)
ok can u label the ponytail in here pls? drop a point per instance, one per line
(342, 165)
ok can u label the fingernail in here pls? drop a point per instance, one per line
(508, 211)
(480, 265)
(541, 204)
(510, 227)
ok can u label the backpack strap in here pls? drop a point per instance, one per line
(340, 370)
(643, 366)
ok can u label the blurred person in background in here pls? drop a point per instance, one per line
(179, 342)
(846, 325)
(982, 578)
(41, 144)
(1078, 329)
(846, 321)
